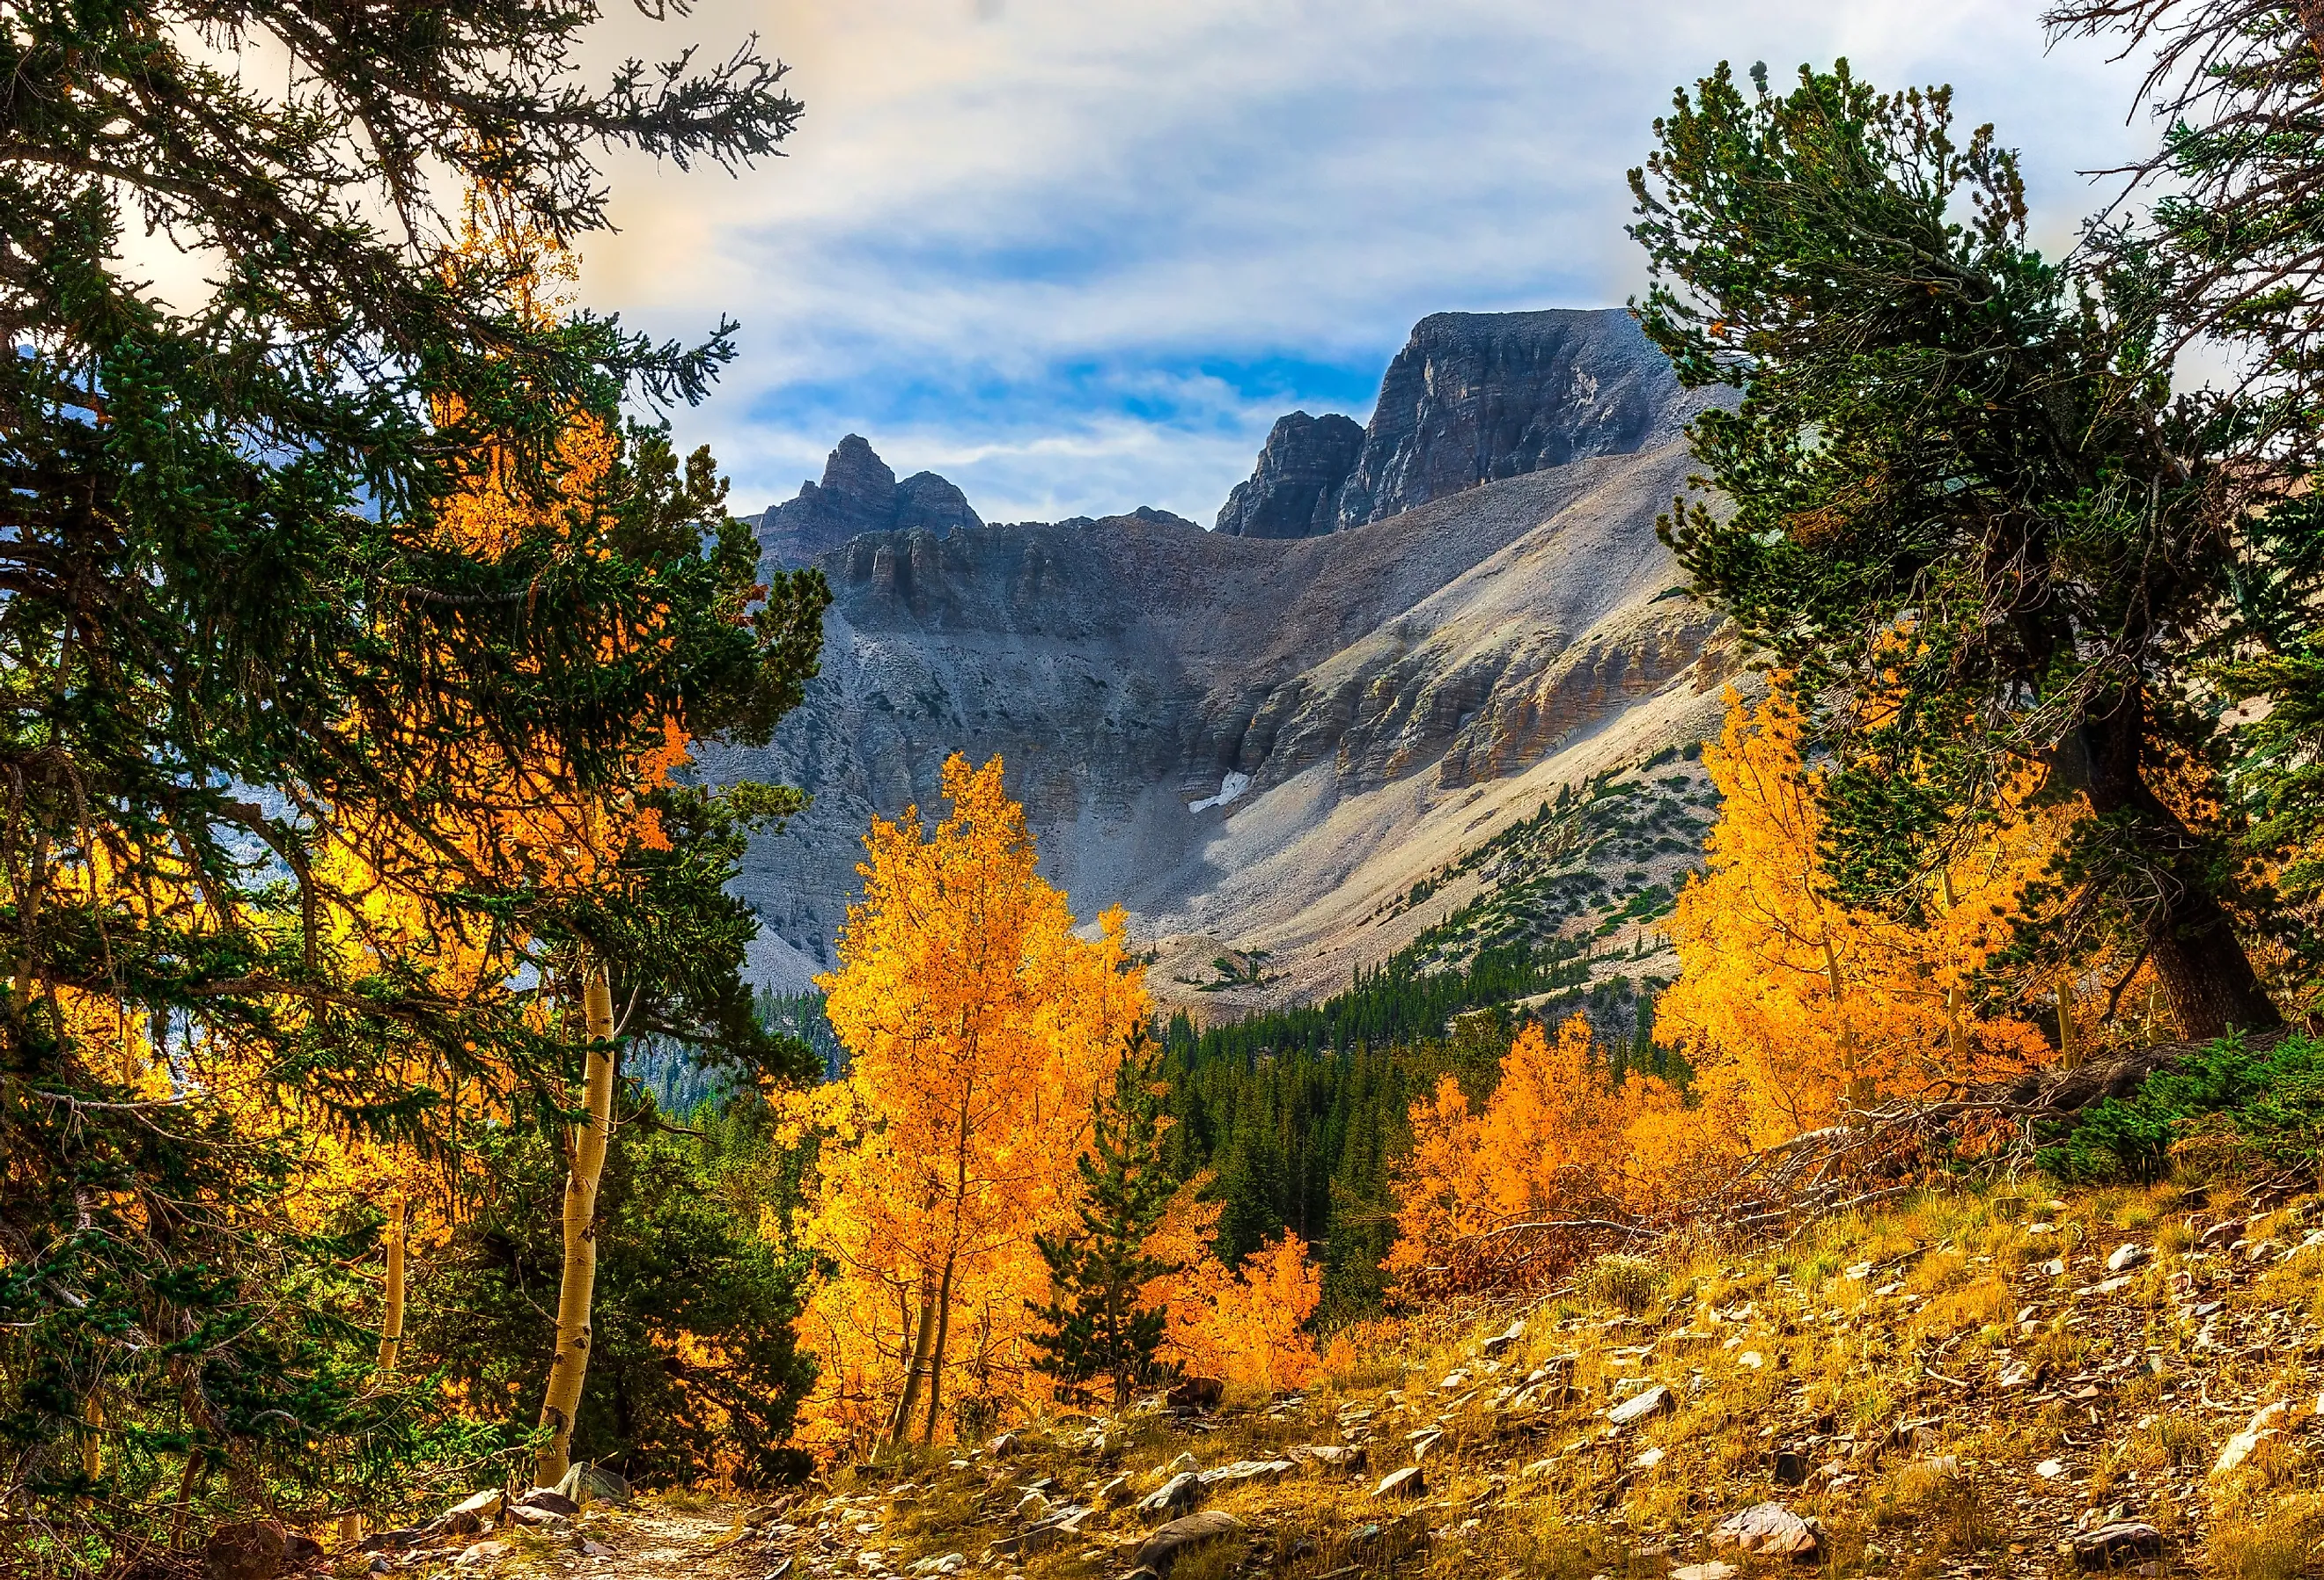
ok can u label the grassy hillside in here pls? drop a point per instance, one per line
(1993, 1381)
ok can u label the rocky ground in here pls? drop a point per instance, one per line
(1988, 1383)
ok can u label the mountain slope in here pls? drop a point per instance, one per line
(1259, 741)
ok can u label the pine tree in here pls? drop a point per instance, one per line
(1096, 1328)
(243, 635)
(1967, 515)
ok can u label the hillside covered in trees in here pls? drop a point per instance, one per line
(397, 1172)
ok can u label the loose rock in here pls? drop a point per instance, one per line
(1172, 1541)
(2125, 1257)
(1181, 1493)
(588, 1483)
(1505, 1338)
(2241, 1446)
(1772, 1529)
(1401, 1484)
(2109, 1547)
(1652, 1401)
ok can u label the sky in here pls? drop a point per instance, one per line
(1077, 256)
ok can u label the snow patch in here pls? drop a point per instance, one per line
(1232, 786)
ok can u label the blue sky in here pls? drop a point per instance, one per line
(1078, 255)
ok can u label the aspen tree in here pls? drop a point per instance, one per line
(390, 1322)
(979, 1027)
(1802, 1005)
(586, 1150)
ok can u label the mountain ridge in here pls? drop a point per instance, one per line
(1254, 740)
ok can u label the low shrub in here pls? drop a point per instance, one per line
(1627, 1283)
(2222, 1108)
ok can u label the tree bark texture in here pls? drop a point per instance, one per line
(2204, 974)
(923, 1339)
(390, 1322)
(586, 1150)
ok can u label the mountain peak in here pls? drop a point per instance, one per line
(1471, 398)
(859, 493)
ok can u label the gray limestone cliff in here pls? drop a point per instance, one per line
(1471, 399)
(1294, 493)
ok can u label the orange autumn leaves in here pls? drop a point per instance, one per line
(1558, 1143)
(979, 1026)
(1790, 1009)
(1788, 1001)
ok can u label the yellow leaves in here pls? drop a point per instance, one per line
(979, 1024)
(1788, 1001)
(1247, 1326)
(1557, 1141)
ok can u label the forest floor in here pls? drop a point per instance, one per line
(1973, 1383)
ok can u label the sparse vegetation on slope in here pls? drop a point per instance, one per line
(1990, 1381)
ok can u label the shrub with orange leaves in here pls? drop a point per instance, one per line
(1795, 1006)
(1505, 1195)
(1247, 1325)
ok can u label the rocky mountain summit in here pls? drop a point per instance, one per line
(859, 493)
(1260, 737)
(1294, 493)
(1471, 398)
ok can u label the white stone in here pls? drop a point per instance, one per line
(1637, 1407)
(1770, 1529)
(2241, 1446)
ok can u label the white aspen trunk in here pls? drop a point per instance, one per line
(899, 1426)
(587, 1154)
(390, 1322)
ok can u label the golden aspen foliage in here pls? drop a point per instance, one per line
(1247, 1325)
(1558, 1143)
(978, 1025)
(1793, 1005)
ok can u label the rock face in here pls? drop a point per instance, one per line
(1471, 398)
(1296, 491)
(859, 493)
(1248, 741)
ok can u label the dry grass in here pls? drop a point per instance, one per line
(1871, 1348)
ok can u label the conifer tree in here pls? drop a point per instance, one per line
(1969, 516)
(239, 636)
(1097, 1326)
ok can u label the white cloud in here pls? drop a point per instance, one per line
(1077, 254)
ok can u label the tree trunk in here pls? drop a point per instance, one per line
(2204, 974)
(390, 1322)
(899, 1426)
(587, 1152)
(936, 1354)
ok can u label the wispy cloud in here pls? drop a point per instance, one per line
(1077, 254)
